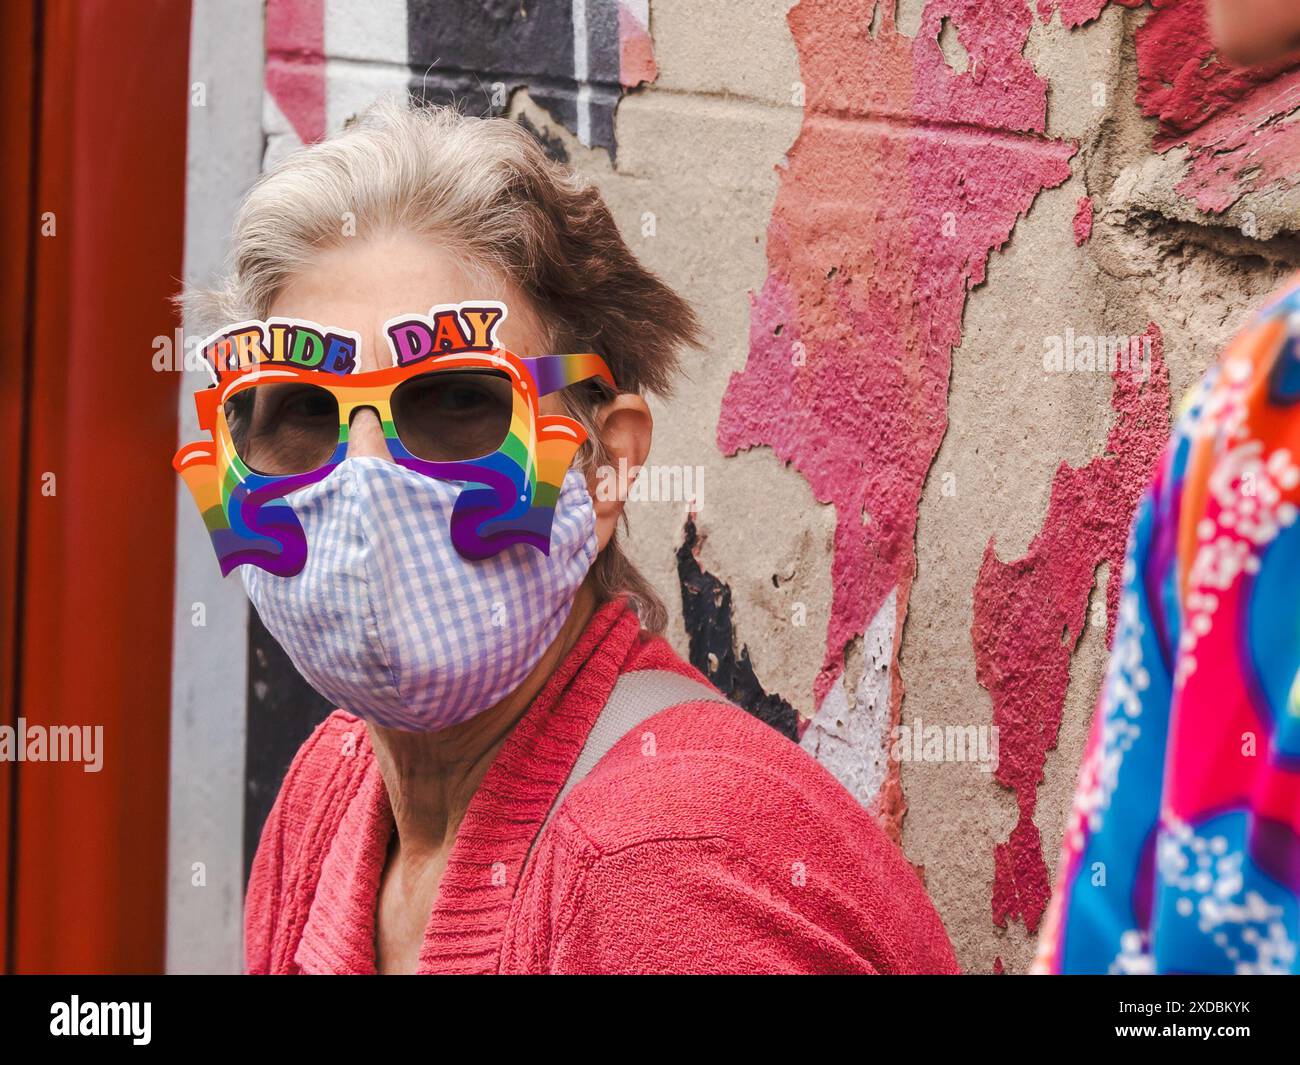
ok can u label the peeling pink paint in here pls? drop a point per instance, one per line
(1236, 123)
(1238, 130)
(295, 63)
(636, 47)
(1030, 613)
(1083, 221)
(1181, 82)
(1233, 121)
(1075, 13)
(904, 177)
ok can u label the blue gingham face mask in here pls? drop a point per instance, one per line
(388, 621)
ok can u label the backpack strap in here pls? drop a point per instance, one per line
(636, 697)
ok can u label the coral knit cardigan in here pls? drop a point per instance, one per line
(704, 842)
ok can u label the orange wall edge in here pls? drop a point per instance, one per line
(92, 167)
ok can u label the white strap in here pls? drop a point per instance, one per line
(636, 697)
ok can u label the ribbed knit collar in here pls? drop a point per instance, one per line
(504, 816)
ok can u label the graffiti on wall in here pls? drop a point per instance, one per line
(1232, 123)
(1031, 613)
(862, 307)
(711, 632)
(863, 301)
(575, 59)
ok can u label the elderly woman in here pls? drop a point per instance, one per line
(523, 776)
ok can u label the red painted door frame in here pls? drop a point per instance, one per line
(93, 171)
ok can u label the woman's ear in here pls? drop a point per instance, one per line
(625, 428)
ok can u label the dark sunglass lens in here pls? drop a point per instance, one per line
(453, 416)
(283, 429)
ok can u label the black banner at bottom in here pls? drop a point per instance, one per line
(214, 1014)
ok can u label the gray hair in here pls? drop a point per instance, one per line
(484, 188)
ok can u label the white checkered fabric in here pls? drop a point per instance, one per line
(389, 622)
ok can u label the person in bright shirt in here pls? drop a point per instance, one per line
(1182, 850)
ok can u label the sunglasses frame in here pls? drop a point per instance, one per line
(509, 495)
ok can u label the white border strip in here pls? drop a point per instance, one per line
(205, 852)
(582, 71)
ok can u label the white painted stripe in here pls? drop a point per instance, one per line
(639, 10)
(208, 715)
(374, 30)
(367, 52)
(351, 87)
(581, 71)
(281, 137)
(852, 741)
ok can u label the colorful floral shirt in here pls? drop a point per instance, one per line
(1182, 851)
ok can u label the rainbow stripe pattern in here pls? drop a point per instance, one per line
(508, 497)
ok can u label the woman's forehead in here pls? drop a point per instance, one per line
(364, 283)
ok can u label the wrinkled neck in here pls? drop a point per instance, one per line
(431, 777)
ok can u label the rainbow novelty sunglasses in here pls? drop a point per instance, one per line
(455, 406)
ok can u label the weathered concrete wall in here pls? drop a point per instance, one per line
(968, 182)
(899, 473)
(889, 215)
